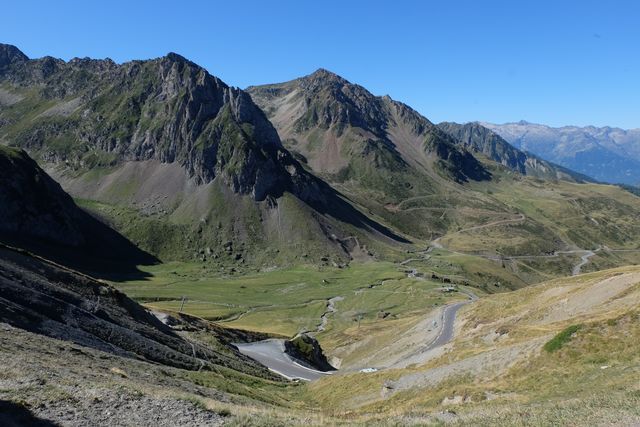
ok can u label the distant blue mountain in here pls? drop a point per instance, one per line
(606, 154)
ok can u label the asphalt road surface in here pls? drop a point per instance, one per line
(271, 354)
(446, 325)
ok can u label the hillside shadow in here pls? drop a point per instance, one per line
(15, 415)
(105, 253)
(338, 207)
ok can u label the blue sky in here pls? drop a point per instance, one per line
(553, 62)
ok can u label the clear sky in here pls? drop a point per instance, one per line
(553, 62)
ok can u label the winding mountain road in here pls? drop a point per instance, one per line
(272, 355)
(447, 320)
(584, 260)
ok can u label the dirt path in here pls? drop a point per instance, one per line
(584, 259)
(521, 218)
(436, 244)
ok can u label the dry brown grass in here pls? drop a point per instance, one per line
(496, 370)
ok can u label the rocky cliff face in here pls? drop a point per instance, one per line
(196, 158)
(97, 113)
(482, 140)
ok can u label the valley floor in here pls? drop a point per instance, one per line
(495, 368)
(562, 352)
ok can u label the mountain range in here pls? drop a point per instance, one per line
(317, 169)
(607, 154)
(166, 137)
(484, 141)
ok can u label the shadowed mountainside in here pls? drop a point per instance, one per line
(35, 213)
(48, 299)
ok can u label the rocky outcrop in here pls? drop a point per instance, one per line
(307, 350)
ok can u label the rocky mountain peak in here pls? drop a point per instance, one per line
(172, 56)
(368, 130)
(322, 74)
(10, 54)
(334, 102)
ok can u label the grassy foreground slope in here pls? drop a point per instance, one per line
(562, 352)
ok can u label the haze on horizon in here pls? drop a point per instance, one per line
(574, 63)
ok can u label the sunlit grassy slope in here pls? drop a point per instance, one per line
(500, 367)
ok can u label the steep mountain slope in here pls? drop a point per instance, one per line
(347, 133)
(34, 204)
(47, 299)
(482, 140)
(37, 214)
(606, 154)
(376, 150)
(194, 155)
(75, 351)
